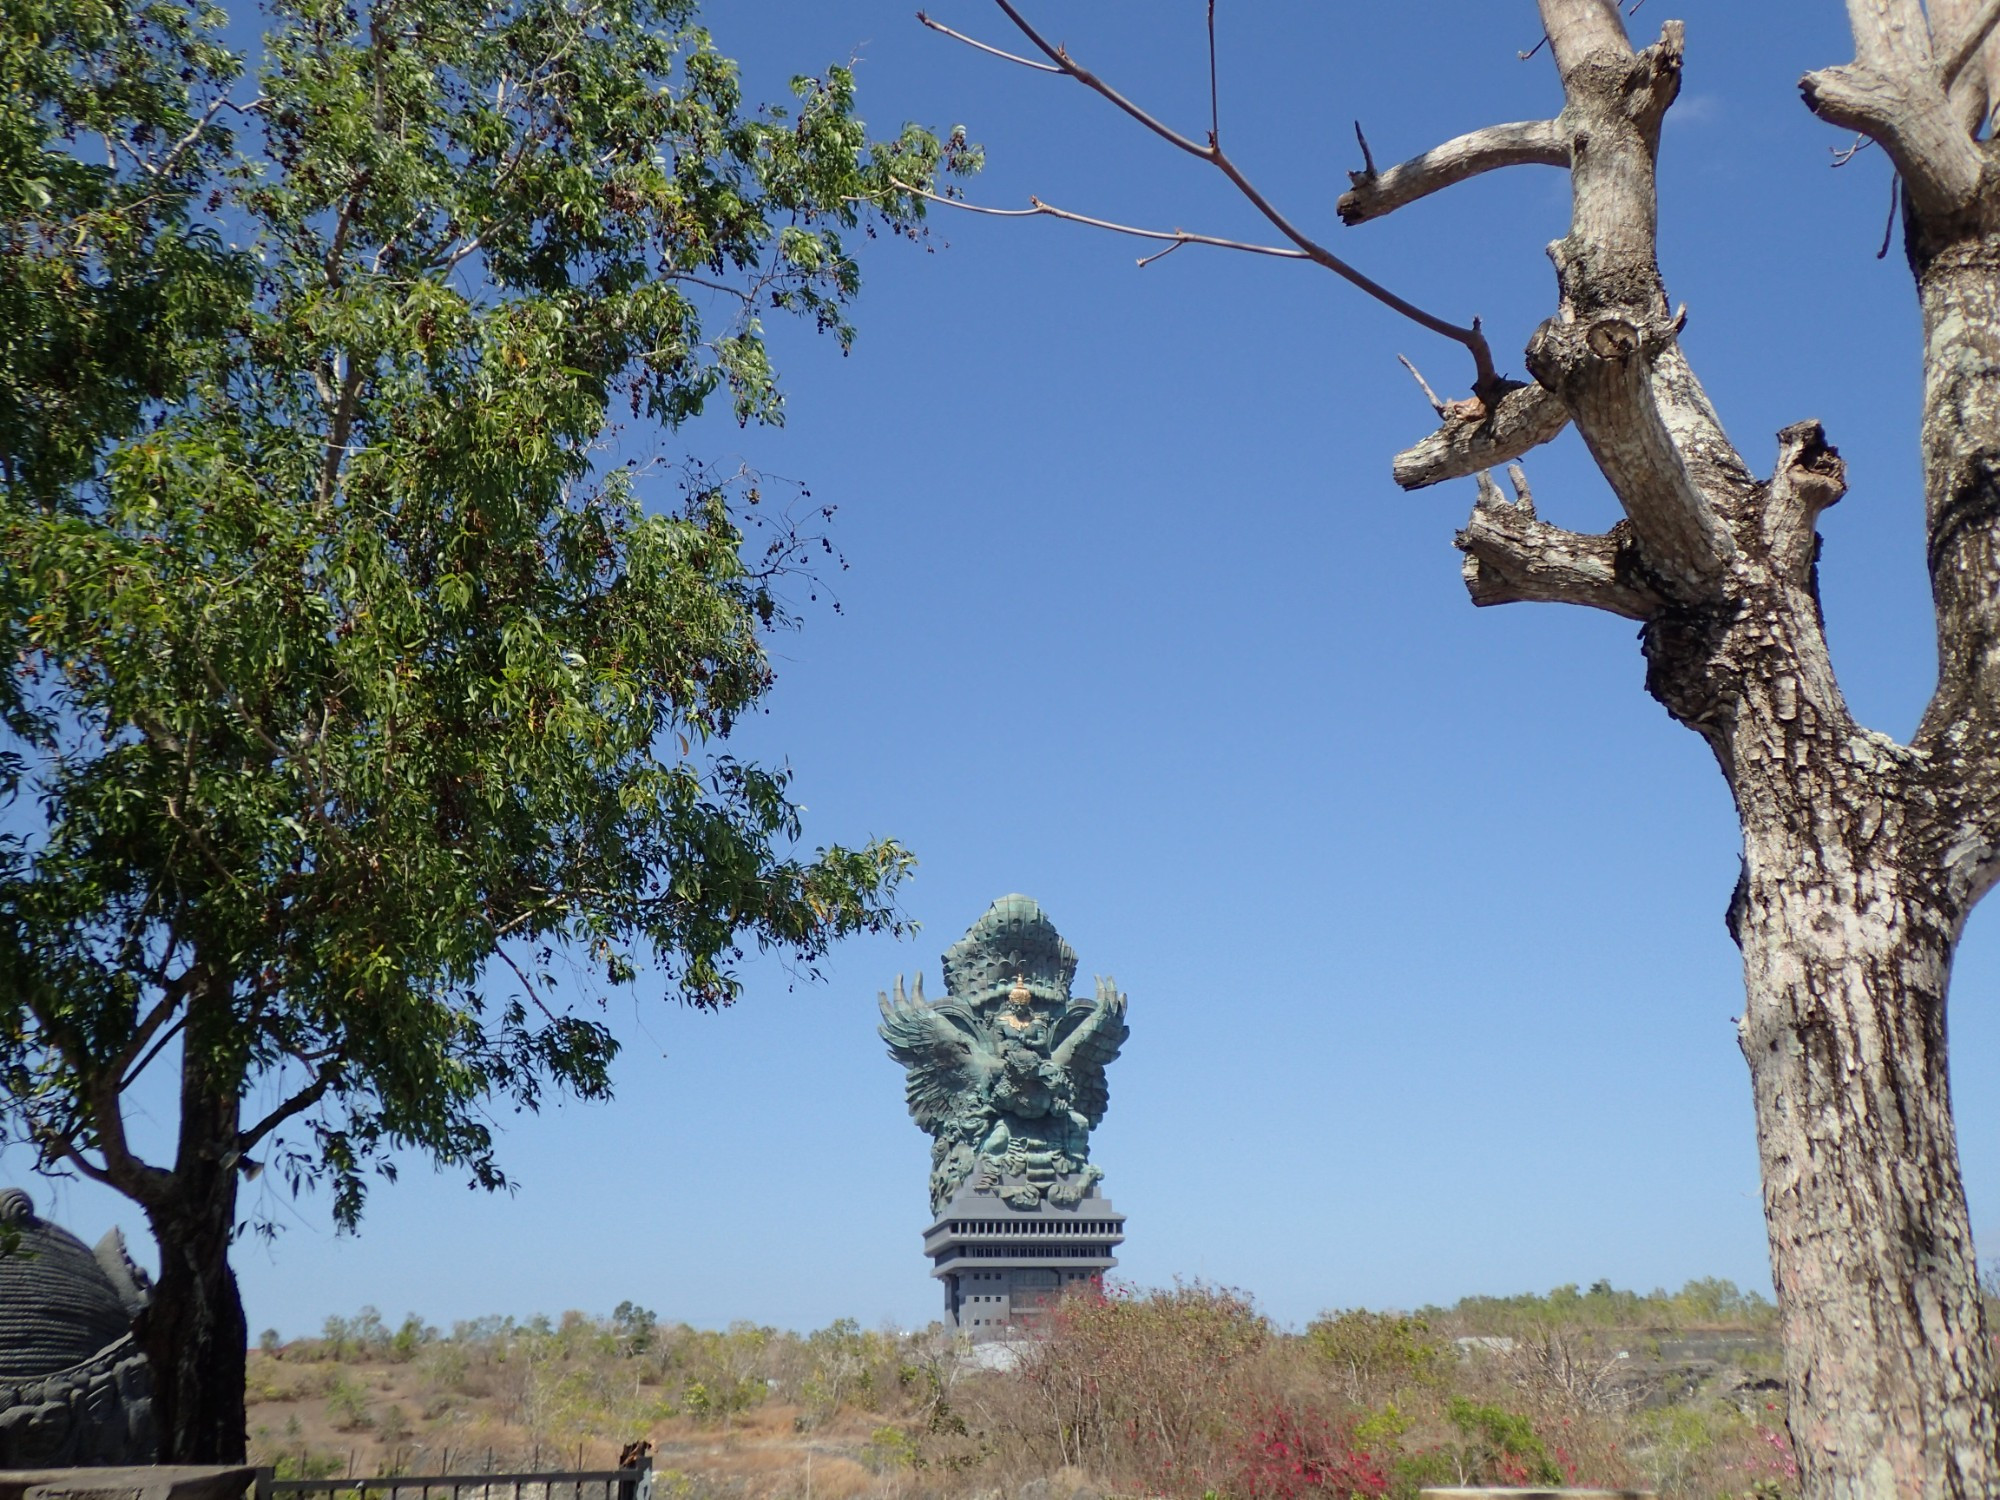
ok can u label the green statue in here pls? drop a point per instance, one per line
(1006, 1073)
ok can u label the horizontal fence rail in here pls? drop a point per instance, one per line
(635, 1483)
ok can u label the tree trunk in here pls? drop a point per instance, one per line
(1846, 961)
(1862, 857)
(1853, 895)
(194, 1331)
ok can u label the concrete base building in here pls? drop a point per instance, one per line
(1002, 1267)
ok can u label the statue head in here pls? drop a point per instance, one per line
(1018, 1014)
(1012, 947)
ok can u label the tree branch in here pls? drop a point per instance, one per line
(1574, 29)
(96, 1092)
(1896, 92)
(1485, 378)
(1175, 237)
(54, 1143)
(172, 993)
(298, 1104)
(1611, 353)
(1524, 143)
(1809, 477)
(1066, 64)
(990, 51)
(1525, 417)
(1604, 372)
(1910, 118)
(1963, 39)
(339, 429)
(1968, 45)
(1512, 558)
(1214, 92)
(127, 1076)
(1890, 33)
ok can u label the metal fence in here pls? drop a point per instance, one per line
(633, 1483)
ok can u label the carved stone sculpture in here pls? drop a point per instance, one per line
(1006, 1072)
(74, 1387)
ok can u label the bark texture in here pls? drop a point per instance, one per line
(194, 1331)
(1862, 857)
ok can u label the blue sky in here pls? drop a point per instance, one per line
(1419, 907)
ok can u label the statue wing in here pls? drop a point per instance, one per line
(1088, 1035)
(941, 1046)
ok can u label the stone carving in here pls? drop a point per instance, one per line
(1006, 1073)
(74, 1387)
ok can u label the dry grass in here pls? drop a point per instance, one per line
(1175, 1393)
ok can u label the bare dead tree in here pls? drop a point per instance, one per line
(1862, 857)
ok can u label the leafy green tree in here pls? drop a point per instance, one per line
(1370, 1349)
(634, 1327)
(351, 686)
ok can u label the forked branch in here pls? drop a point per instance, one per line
(1896, 92)
(1525, 417)
(1524, 143)
(1969, 44)
(1485, 379)
(1513, 558)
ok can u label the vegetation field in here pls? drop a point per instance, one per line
(1185, 1392)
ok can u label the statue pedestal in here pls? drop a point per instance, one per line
(1003, 1267)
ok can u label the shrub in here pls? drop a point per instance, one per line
(1500, 1447)
(1371, 1349)
(1289, 1453)
(347, 1405)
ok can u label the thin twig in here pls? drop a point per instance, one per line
(1367, 156)
(1147, 260)
(1523, 496)
(1889, 229)
(1178, 236)
(1067, 64)
(1039, 209)
(1214, 97)
(1423, 385)
(1485, 376)
(1842, 155)
(520, 974)
(959, 36)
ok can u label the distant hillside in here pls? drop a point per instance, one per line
(1178, 1392)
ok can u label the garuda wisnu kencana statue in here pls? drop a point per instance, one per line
(1006, 1072)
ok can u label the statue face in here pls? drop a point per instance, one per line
(1020, 1011)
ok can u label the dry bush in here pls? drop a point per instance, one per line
(1140, 1384)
